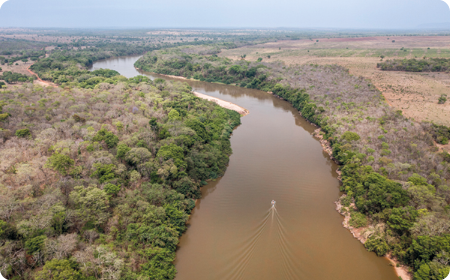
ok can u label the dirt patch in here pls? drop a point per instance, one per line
(21, 67)
(415, 94)
(39, 81)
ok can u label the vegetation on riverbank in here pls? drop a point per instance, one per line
(99, 183)
(391, 168)
(416, 65)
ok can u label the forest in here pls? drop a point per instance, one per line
(416, 65)
(98, 183)
(392, 173)
(99, 175)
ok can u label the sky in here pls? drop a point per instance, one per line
(354, 14)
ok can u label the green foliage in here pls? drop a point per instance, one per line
(22, 133)
(35, 244)
(377, 244)
(199, 128)
(59, 270)
(402, 219)
(110, 138)
(350, 136)
(414, 65)
(111, 189)
(379, 193)
(4, 117)
(122, 150)
(440, 133)
(442, 99)
(160, 265)
(104, 172)
(147, 176)
(91, 204)
(172, 151)
(60, 162)
(174, 115)
(357, 219)
(12, 77)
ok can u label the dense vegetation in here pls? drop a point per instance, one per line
(416, 65)
(21, 47)
(99, 183)
(68, 67)
(393, 177)
(12, 77)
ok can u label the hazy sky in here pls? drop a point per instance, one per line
(223, 13)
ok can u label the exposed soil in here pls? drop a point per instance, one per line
(416, 94)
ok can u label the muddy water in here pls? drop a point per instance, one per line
(234, 233)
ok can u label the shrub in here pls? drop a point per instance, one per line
(350, 136)
(3, 117)
(78, 118)
(442, 99)
(377, 244)
(122, 150)
(357, 219)
(22, 133)
(60, 163)
(110, 138)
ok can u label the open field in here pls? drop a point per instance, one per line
(416, 94)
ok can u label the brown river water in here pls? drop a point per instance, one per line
(234, 233)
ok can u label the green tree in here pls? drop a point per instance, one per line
(122, 150)
(174, 115)
(377, 244)
(60, 162)
(59, 270)
(402, 219)
(172, 151)
(350, 136)
(91, 203)
(111, 189)
(35, 244)
(423, 273)
(22, 133)
(199, 128)
(104, 172)
(110, 138)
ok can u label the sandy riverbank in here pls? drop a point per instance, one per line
(358, 233)
(224, 104)
(220, 102)
(361, 234)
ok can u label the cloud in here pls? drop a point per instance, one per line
(448, 2)
(2, 2)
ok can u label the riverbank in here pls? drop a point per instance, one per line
(222, 103)
(225, 104)
(363, 233)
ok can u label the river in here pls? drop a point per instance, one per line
(234, 233)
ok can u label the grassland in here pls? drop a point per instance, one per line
(416, 94)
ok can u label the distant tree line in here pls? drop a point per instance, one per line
(416, 65)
